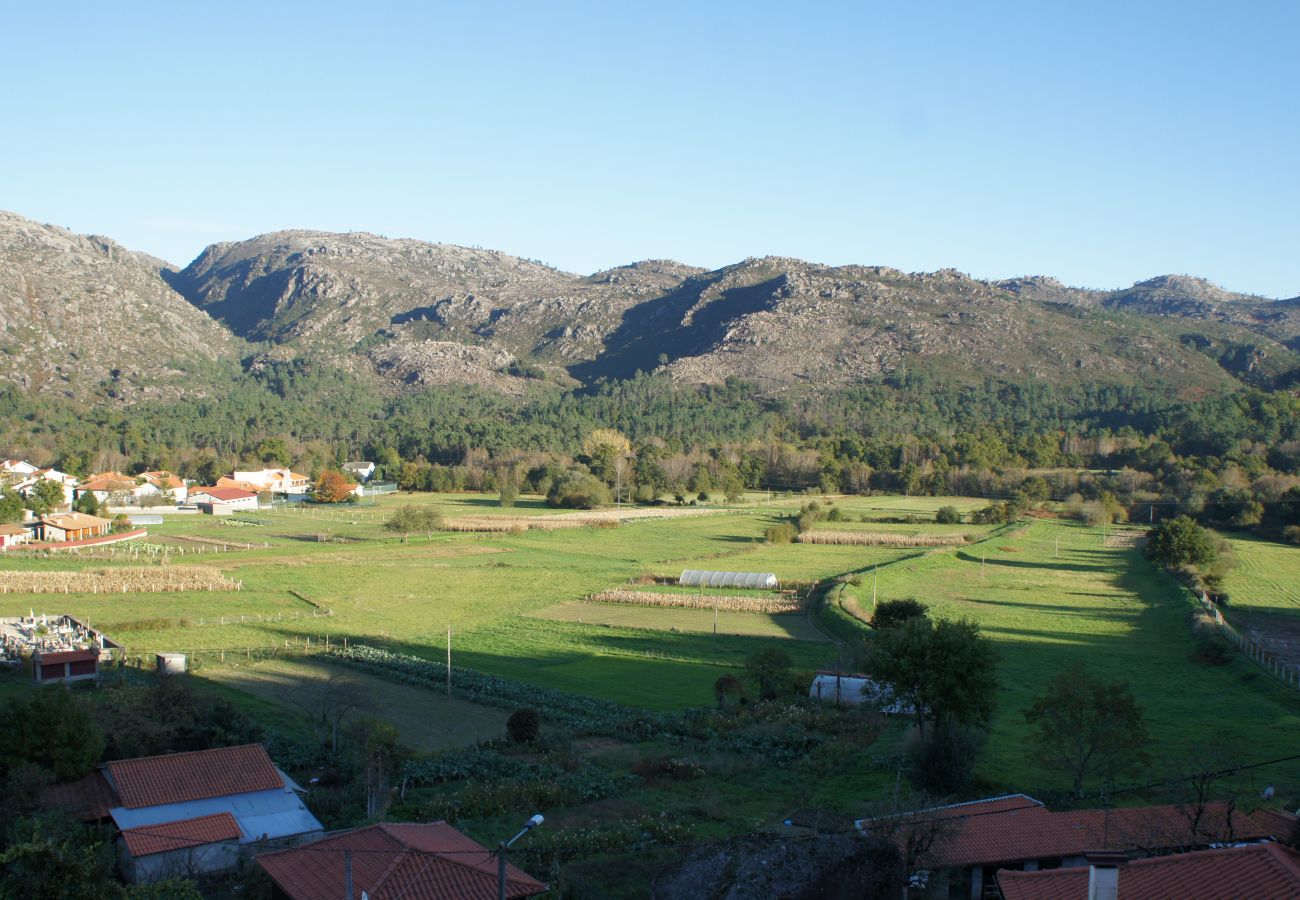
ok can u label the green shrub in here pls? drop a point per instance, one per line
(947, 515)
(780, 534)
(524, 726)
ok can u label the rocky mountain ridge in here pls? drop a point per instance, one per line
(410, 314)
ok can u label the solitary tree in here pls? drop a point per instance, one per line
(609, 451)
(408, 519)
(1084, 726)
(332, 487)
(894, 613)
(945, 670)
(1180, 542)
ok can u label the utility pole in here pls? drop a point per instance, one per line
(715, 618)
(347, 873)
(875, 581)
(448, 662)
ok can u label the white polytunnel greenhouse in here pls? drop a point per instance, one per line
(706, 578)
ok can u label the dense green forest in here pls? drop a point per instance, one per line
(1232, 457)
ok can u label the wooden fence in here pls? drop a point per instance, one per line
(1256, 652)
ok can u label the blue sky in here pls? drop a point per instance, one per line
(1100, 143)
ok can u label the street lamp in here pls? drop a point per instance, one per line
(504, 846)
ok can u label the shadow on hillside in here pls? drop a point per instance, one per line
(1086, 611)
(966, 556)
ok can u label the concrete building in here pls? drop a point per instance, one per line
(185, 814)
(65, 665)
(72, 526)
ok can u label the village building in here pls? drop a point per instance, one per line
(167, 482)
(361, 470)
(13, 535)
(17, 467)
(279, 481)
(393, 860)
(222, 500)
(71, 526)
(185, 814)
(116, 489)
(1261, 871)
(25, 484)
(65, 665)
(969, 843)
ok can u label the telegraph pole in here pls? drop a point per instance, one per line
(448, 662)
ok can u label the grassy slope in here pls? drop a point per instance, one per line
(1108, 607)
(1267, 577)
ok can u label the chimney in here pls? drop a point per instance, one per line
(1103, 873)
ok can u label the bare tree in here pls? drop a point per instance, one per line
(328, 702)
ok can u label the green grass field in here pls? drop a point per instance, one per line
(1047, 594)
(1267, 576)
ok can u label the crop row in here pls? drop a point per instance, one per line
(120, 580)
(724, 602)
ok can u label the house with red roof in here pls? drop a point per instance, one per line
(962, 846)
(219, 500)
(1261, 871)
(184, 814)
(415, 862)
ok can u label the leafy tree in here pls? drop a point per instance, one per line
(46, 496)
(947, 515)
(87, 503)
(52, 856)
(1181, 542)
(578, 490)
(1084, 726)
(408, 519)
(332, 487)
(945, 670)
(52, 728)
(769, 668)
(894, 613)
(11, 506)
(121, 523)
(727, 687)
(509, 493)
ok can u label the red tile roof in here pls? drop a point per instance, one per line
(65, 656)
(179, 777)
(414, 862)
(1260, 871)
(165, 836)
(1016, 828)
(89, 798)
(109, 481)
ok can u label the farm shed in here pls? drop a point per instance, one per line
(708, 578)
(65, 665)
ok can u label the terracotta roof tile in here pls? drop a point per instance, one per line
(89, 798)
(1016, 828)
(1266, 871)
(179, 777)
(222, 493)
(414, 862)
(165, 836)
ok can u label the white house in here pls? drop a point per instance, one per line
(281, 481)
(222, 499)
(361, 470)
(19, 467)
(116, 489)
(13, 535)
(166, 481)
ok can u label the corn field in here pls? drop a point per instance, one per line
(726, 602)
(882, 539)
(121, 580)
(604, 518)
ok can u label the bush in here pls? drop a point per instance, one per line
(579, 490)
(780, 534)
(1291, 534)
(894, 613)
(1211, 650)
(947, 515)
(121, 523)
(524, 726)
